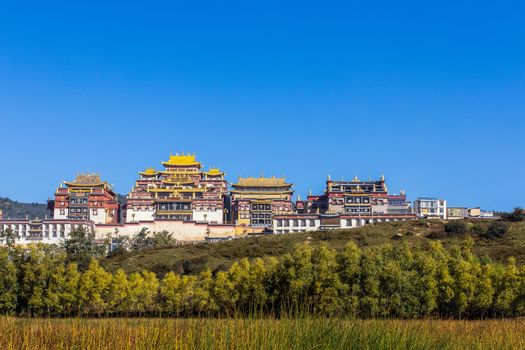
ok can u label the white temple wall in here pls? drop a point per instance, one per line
(98, 216)
(181, 230)
(58, 216)
(214, 216)
(139, 215)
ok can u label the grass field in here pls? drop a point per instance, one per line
(144, 333)
(219, 256)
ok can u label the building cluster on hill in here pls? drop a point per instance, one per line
(194, 204)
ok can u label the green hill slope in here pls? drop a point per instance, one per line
(218, 256)
(16, 210)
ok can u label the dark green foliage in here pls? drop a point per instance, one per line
(142, 240)
(16, 210)
(516, 215)
(456, 227)
(8, 283)
(8, 238)
(479, 230)
(80, 247)
(163, 239)
(497, 229)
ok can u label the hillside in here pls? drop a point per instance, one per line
(17, 210)
(218, 256)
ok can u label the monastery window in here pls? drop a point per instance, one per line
(267, 216)
(295, 222)
(62, 212)
(302, 223)
(312, 223)
(94, 212)
(268, 207)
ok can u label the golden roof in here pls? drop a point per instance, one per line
(178, 181)
(214, 171)
(182, 159)
(262, 182)
(149, 171)
(86, 180)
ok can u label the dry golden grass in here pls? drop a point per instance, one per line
(127, 333)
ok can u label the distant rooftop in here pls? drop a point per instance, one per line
(261, 182)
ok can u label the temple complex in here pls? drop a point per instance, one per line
(345, 204)
(195, 204)
(181, 191)
(255, 201)
(355, 197)
(87, 198)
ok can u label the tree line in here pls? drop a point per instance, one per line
(384, 281)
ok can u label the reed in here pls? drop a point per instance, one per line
(257, 333)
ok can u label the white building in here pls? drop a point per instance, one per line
(430, 208)
(313, 222)
(45, 230)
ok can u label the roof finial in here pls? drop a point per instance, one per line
(328, 178)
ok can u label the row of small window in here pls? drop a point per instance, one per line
(77, 217)
(74, 200)
(261, 216)
(142, 209)
(174, 206)
(259, 222)
(23, 227)
(358, 210)
(261, 207)
(358, 200)
(78, 210)
(428, 204)
(175, 217)
(205, 209)
(295, 222)
(46, 234)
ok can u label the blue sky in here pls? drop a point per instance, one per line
(430, 94)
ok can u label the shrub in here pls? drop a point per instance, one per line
(456, 227)
(517, 215)
(479, 230)
(497, 229)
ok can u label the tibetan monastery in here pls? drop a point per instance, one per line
(182, 191)
(86, 198)
(256, 200)
(356, 197)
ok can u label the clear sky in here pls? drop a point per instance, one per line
(430, 94)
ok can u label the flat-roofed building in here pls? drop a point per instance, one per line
(430, 208)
